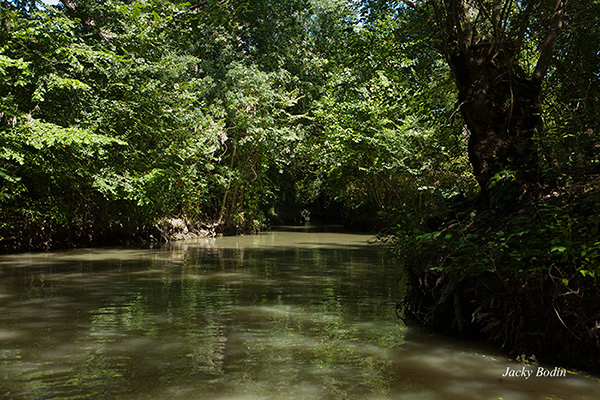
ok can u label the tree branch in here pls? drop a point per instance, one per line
(434, 24)
(504, 15)
(550, 41)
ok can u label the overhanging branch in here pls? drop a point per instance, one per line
(549, 43)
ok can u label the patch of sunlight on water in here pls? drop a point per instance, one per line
(281, 315)
(8, 335)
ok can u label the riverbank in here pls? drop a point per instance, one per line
(25, 234)
(522, 277)
(281, 315)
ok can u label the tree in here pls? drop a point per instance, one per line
(499, 52)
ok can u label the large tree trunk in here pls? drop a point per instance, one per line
(501, 108)
(500, 104)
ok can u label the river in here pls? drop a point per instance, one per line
(289, 314)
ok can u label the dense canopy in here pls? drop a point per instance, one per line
(467, 129)
(118, 113)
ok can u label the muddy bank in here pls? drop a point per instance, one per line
(531, 319)
(523, 277)
(25, 234)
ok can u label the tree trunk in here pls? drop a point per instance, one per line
(501, 108)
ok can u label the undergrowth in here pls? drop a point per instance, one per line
(520, 274)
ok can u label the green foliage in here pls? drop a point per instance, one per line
(383, 127)
(228, 113)
(554, 239)
(146, 109)
(572, 103)
(48, 170)
(550, 233)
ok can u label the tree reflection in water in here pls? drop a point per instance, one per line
(277, 315)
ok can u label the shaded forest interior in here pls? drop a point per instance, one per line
(465, 131)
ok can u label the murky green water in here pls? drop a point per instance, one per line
(281, 315)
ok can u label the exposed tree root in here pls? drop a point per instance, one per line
(539, 321)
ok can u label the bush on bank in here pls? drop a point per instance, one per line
(524, 277)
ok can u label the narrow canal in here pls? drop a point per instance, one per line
(280, 315)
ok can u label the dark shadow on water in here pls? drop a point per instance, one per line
(252, 316)
(330, 228)
(470, 371)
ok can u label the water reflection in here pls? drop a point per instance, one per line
(279, 315)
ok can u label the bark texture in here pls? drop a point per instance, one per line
(500, 103)
(501, 108)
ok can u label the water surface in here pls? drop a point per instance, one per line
(280, 315)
